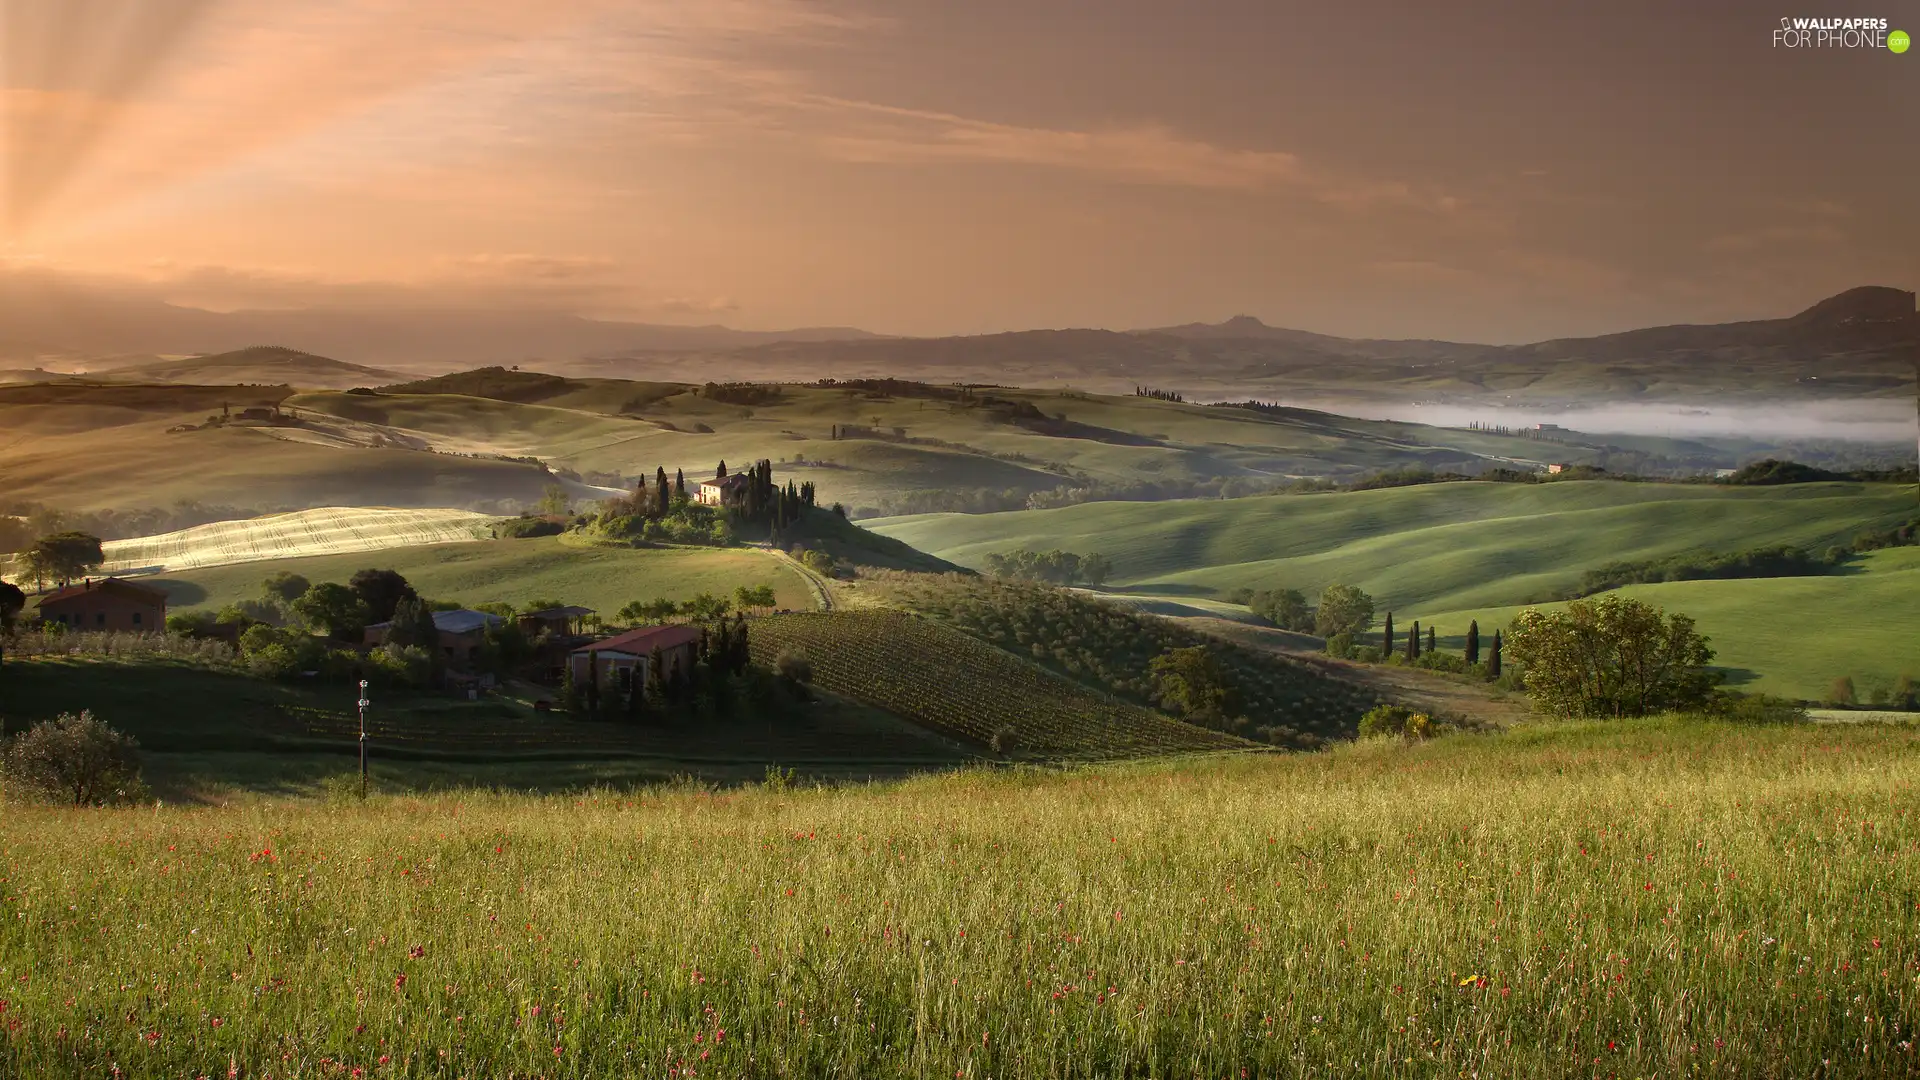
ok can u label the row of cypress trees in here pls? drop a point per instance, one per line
(1413, 646)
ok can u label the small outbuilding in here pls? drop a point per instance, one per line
(462, 632)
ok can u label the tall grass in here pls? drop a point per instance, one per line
(1635, 900)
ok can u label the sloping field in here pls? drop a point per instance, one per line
(517, 572)
(1439, 546)
(967, 689)
(330, 530)
(1787, 636)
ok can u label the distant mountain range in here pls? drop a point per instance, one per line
(1860, 342)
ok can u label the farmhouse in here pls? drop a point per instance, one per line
(1556, 468)
(618, 661)
(722, 491)
(461, 634)
(110, 604)
(560, 622)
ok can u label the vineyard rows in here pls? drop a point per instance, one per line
(329, 530)
(1110, 647)
(959, 686)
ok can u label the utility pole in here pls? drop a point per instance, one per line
(363, 737)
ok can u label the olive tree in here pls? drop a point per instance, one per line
(76, 760)
(1611, 657)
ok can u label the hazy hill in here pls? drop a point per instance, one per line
(1858, 343)
(72, 325)
(257, 364)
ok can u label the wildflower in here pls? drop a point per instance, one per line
(217, 1021)
(399, 982)
(416, 952)
(556, 1049)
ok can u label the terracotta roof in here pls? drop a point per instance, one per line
(646, 639)
(69, 592)
(732, 480)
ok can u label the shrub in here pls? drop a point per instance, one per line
(1436, 660)
(1400, 722)
(400, 665)
(525, 527)
(1341, 645)
(793, 666)
(74, 760)
(1842, 692)
(1005, 740)
(1754, 709)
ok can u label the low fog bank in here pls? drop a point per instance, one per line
(1872, 421)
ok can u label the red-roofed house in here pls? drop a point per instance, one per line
(108, 604)
(619, 661)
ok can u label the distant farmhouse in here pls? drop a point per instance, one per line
(624, 660)
(109, 604)
(722, 491)
(461, 633)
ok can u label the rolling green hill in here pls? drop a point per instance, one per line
(515, 572)
(1436, 546)
(1787, 636)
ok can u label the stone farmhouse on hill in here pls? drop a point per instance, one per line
(722, 491)
(109, 604)
(624, 660)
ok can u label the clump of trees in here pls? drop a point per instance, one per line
(1054, 567)
(74, 761)
(1285, 608)
(1192, 683)
(1779, 561)
(61, 557)
(704, 607)
(1612, 657)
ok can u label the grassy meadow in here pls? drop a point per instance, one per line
(1435, 546)
(1787, 636)
(515, 572)
(1651, 898)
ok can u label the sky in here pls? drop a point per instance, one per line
(1475, 171)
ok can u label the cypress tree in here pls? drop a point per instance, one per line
(1413, 641)
(663, 498)
(1473, 642)
(593, 684)
(1386, 648)
(679, 483)
(721, 473)
(1430, 639)
(1493, 657)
